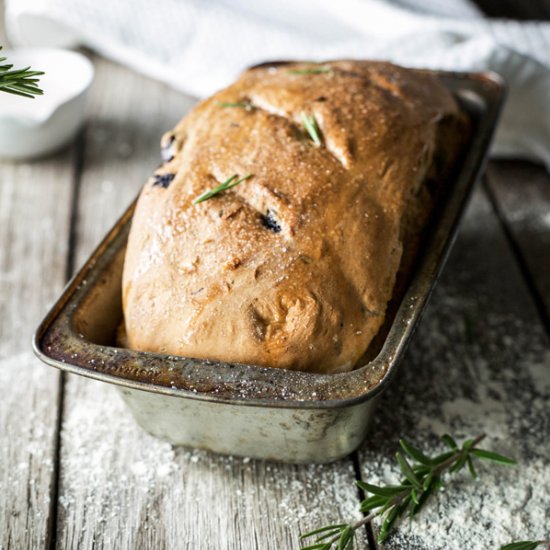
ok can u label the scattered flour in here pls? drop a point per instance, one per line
(120, 486)
(27, 417)
(474, 367)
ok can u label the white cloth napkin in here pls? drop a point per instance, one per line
(199, 46)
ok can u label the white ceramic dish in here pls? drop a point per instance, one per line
(35, 127)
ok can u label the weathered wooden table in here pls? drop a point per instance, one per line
(76, 472)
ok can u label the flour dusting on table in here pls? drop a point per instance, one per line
(478, 364)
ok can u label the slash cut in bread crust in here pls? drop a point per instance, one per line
(294, 266)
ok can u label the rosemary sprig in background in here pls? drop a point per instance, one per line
(21, 82)
(227, 184)
(422, 477)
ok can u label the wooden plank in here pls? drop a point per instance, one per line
(479, 363)
(521, 191)
(35, 203)
(120, 488)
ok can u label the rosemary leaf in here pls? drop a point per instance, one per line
(415, 508)
(312, 70)
(440, 459)
(311, 127)
(16, 92)
(227, 184)
(389, 491)
(495, 457)
(320, 546)
(471, 467)
(407, 470)
(415, 453)
(323, 529)
(30, 89)
(328, 535)
(389, 521)
(345, 538)
(459, 464)
(247, 106)
(450, 442)
(427, 481)
(17, 73)
(372, 502)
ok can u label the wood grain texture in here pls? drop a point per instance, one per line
(479, 363)
(119, 487)
(521, 192)
(35, 203)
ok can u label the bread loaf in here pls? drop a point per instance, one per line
(337, 165)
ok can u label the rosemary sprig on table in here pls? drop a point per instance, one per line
(421, 479)
(310, 124)
(227, 184)
(21, 82)
(246, 105)
(524, 545)
(312, 70)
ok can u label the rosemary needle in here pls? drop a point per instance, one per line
(247, 106)
(22, 82)
(313, 70)
(311, 127)
(227, 184)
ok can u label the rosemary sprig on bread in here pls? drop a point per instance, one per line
(310, 124)
(227, 184)
(246, 105)
(312, 70)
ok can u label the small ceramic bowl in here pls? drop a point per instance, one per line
(35, 127)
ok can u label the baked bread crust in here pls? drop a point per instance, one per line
(293, 267)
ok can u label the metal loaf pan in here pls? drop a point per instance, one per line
(250, 410)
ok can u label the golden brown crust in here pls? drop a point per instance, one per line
(293, 267)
